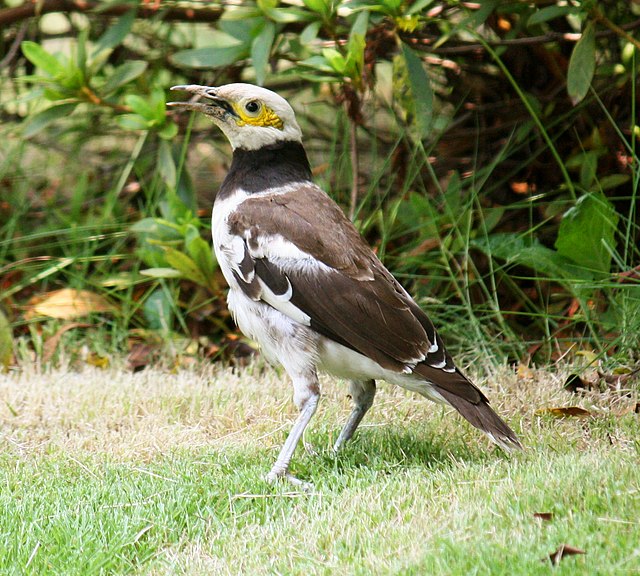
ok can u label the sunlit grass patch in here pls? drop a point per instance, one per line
(162, 473)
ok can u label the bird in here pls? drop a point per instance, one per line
(306, 286)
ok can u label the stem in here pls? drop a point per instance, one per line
(355, 167)
(600, 17)
(534, 117)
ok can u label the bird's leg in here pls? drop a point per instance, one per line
(306, 395)
(362, 394)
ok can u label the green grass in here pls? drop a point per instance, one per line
(160, 473)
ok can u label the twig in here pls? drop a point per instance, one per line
(620, 31)
(15, 46)
(208, 13)
(423, 43)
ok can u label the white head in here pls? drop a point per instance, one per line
(250, 117)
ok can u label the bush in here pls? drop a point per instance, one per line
(486, 150)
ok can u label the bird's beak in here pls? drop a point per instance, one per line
(216, 106)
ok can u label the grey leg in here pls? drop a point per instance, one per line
(362, 393)
(306, 395)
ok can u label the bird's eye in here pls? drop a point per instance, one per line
(252, 107)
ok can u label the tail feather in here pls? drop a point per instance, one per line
(482, 416)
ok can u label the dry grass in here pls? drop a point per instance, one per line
(128, 415)
(161, 473)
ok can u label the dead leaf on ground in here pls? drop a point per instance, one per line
(66, 304)
(142, 354)
(564, 412)
(524, 372)
(577, 383)
(50, 346)
(562, 551)
(94, 359)
(545, 516)
(6, 342)
(619, 382)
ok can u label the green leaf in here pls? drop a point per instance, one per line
(6, 342)
(582, 65)
(420, 90)
(39, 121)
(317, 63)
(335, 60)
(158, 228)
(158, 104)
(288, 15)
(116, 33)
(261, 49)
(202, 254)
(210, 57)
(587, 233)
(612, 181)
(185, 265)
(168, 130)
(418, 6)
(81, 56)
(123, 75)
(40, 58)
(322, 7)
(355, 48)
(310, 33)
(265, 5)
(550, 13)
(158, 311)
(140, 106)
(588, 169)
(166, 165)
(516, 249)
(224, 50)
(133, 122)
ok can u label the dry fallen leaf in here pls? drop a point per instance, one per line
(546, 516)
(66, 304)
(565, 411)
(6, 342)
(524, 372)
(578, 383)
(562, 551)
(141, 354)
(50, 346)
(98, 361)
(620, 382)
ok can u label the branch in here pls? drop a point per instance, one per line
(619, 30)
(27, 10)
(423, 43)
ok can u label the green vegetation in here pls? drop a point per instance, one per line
(488, 152)
(159, 473)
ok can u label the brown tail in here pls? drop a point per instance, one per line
(482, 416)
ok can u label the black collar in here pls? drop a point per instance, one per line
(271, 166)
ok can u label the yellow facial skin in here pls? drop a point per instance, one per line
(264, 116)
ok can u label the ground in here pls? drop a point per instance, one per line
(161, 472)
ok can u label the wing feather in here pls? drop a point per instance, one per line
(335, 280)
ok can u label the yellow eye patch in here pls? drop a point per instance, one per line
(266, 117)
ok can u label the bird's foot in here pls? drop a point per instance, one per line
(277, 475)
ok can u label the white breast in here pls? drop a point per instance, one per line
(282, 339)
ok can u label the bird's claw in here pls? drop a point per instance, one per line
(277, 475)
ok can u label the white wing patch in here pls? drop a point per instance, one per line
(282, 302)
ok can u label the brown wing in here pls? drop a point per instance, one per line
(348, 294)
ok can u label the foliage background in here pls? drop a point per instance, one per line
(486, 150)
